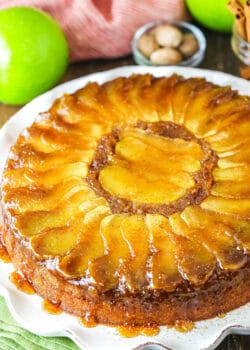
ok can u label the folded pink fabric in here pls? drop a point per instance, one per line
(103, 28)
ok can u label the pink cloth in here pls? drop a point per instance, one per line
(103, 28)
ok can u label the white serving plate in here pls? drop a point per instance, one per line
(27, 310)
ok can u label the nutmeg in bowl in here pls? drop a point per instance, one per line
(162, 43)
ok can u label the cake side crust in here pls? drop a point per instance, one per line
(222, 295)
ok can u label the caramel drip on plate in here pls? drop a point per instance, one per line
(51, 308)
(88, 321)
(183, 326)
(134, 331)
(21, 283)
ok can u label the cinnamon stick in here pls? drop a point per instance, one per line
(240, 21)
(247, 16)
(235, 6)
(242, 17)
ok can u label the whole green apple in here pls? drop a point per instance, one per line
(213, 14)
(33, 54)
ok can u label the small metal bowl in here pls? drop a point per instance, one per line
(185, 28)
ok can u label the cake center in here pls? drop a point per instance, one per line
(151, 167)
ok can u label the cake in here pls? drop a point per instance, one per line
(128, 203)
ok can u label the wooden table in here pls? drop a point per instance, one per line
(219, 56)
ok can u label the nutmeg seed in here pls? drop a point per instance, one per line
(165, 55)
(189, 45)
(147, 44)
(168, 35)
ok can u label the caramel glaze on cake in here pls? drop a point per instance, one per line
(128, 203)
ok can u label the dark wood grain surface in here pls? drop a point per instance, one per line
(219, 56)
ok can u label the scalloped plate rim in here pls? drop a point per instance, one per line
(72, 328)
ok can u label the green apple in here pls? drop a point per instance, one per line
(33, 54)
(213, 14)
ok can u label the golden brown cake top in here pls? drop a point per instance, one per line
(141, 182)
